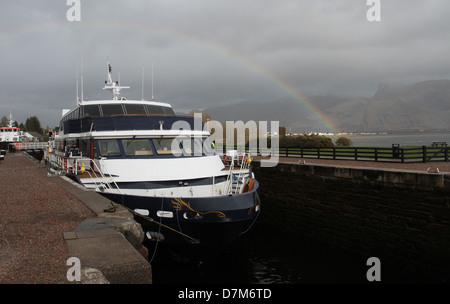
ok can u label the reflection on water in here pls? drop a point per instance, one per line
(268, 271)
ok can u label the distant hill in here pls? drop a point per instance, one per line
(421, 106)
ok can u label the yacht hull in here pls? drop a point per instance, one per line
(194, 226)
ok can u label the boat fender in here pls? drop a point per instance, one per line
(249, 185)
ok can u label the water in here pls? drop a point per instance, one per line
(268, 256)
(418, 139)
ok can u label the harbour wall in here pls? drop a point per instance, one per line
(401, 217)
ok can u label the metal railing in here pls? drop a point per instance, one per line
(30, 145)
(236, 177)
(106, 182)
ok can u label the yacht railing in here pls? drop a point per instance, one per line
(98, 173)
(107, 181)
(238, 171)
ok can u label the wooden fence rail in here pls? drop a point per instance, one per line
(395, 154)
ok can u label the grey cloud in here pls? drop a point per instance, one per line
(215, 52)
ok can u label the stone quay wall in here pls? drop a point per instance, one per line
(402, 217)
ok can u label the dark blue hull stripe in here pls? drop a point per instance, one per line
(213, 221)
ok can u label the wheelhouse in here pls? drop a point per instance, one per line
(102, 109)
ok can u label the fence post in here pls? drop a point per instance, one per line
(424, 154)
(287, 151)
(334, 152)
(402, 151)
(318, 152)
(446, 154)
(356, 153)
(376, 154)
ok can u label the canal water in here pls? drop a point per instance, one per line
(267, 256)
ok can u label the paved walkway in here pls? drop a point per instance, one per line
(34, 214)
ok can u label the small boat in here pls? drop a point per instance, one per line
(10, 135)
(161, 166)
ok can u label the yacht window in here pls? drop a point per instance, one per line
(137, 147)
(168, 110)
(109, 147)
(158, 110)
(112, 109)
(77, 113)
(192, 146)
(133, 109)
(154, 110)
(91, 110)
(165, 146)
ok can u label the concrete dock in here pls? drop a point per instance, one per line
(46, 221)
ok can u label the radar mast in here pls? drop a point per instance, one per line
(113, 86)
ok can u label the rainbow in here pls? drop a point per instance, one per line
(300, 98)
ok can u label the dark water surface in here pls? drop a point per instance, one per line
(267, 256)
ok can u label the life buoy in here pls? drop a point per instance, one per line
(226, 160)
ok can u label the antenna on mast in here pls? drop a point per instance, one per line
(142, 93)
(78, 97)
(113, 86)
(82, 80)
(153, 97)
(10, 120)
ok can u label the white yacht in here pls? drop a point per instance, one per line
(160, 165)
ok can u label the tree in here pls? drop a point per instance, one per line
(344, 141)
(205, 116)
(33, 124)
(306, 141)
(4, 121)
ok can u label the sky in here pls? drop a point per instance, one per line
(214, 52)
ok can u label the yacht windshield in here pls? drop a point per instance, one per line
(112, 109)
(135, 109)
(137, 147)
(165, 146)
(109, 147)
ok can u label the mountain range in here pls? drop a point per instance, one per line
(421, 106)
